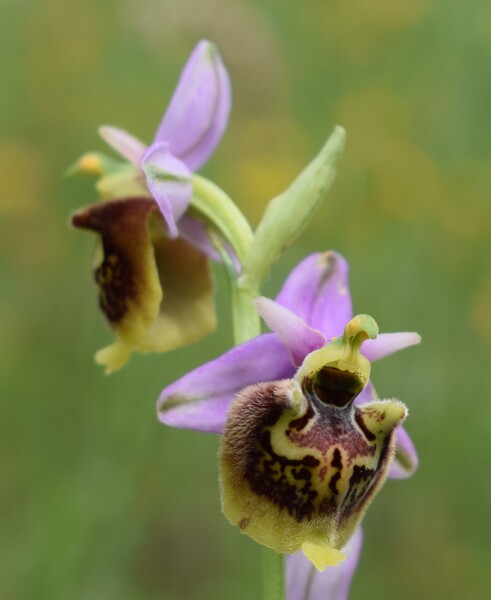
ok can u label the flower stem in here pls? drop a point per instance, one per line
(246, 326)
(273, 565)
(245, 317)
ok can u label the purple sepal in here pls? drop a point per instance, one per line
(406, 460)
(304, 581)
(198, 112)
(169, 182)
(317, 291)
(200, 399)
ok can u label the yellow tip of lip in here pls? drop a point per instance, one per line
(113, 357)
(323, 556)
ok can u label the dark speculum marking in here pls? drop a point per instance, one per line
(292, 484)
(301, 422)
(123, 227)
(361, 424)
(362, 483)
(116, 283)
(332, 482)
(339, 470)
(286, 482)
(336, 387)
(336, 459)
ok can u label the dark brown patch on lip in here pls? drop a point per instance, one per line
(361, 424)
(116, 283)
(334, 428)
(301, 422)
(360, 481)
(286, 482)
(243, 523)
(333, 478)
(363, 482)
(336, 459)
(332, 483)
(123, 227)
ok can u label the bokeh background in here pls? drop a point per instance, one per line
(97, 499)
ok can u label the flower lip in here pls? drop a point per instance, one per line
(143, 277)
(296, 477)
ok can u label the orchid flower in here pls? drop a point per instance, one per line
(312, 307)
(187, 136)
(155, 287)
(284, 402)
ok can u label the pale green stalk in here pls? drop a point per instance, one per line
(247, 326)
(273, 565)
(214, 206)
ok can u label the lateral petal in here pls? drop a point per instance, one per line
(169, 182)
(124, 143)
(295, 334)
(388, 343)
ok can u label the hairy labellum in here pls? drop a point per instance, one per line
(155, 292)
(299, 462)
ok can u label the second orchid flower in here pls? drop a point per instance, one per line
(155, 287)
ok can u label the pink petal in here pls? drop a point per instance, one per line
(198, 111)
(317, 291)
(169, 182)
(124, 143)
(295, 334)
(200, 399)
(388, 343)
(305, 582)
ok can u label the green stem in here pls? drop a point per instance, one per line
(246, 326)
(245, 317)
(273, 565)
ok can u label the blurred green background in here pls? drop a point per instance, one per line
(97, 499)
